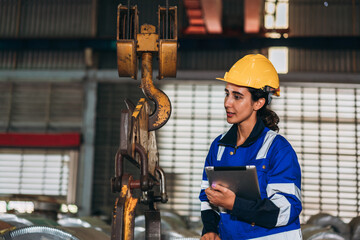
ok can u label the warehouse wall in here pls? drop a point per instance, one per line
(72, 22)
(324, 18)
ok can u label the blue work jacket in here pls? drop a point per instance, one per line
(276, 215)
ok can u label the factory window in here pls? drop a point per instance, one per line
(197, 118)
(28, 173)
(40, 125)
(276, 14)
(279, 57)
(276, 18)
(321, 123)
(41, 107)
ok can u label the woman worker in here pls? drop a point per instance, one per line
(253, 140)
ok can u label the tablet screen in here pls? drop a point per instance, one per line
(242, 180)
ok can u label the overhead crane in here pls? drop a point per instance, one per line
(139, 122)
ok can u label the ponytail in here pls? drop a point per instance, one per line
(269, 117)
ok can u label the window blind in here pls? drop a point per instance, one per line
(38, 172)
(322, 125)
(320, 122)
(110, 102)
(41, 107)
(197, 118)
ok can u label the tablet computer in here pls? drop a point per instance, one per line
(241, 180)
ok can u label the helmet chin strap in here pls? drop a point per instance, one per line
(270, 93)
(269, 98)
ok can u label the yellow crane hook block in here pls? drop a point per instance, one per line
(167, 42)
(127, 29)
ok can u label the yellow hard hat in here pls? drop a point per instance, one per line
(254, 71)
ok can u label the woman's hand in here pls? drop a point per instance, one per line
(210, 236)
(220, 196)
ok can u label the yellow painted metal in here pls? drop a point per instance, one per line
(126, 44)
(162, 102)
(147, 28)
(167, 58)
(138, 107)
(129, 213)
(147, 42)
(139, 128)
(147, 39)
(124, 214)
(125, 29)
(140, 135)
(126, 58)
(172, 23)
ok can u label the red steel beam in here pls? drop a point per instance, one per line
(56, 140)
(192, 4)
(252, 16)
(196, 21)
(195, 17)
(212, 15)
(197, 30)
(194, 13)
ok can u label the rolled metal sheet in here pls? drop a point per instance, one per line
(305, 228)
(38, 232)
(15, 220)
(323, 234)
(335, 223)
(73, 222)
(355, 228)
(81, 233)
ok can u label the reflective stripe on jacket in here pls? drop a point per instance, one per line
(276, 215)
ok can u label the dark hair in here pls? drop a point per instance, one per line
(269, 117)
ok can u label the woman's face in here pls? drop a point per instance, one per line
(239, 106)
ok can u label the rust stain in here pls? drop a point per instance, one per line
(129, 216)
(129, 213)
(124, 190)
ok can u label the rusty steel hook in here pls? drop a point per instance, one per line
(163, 197)
(162, 110)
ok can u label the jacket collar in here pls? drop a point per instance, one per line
(230, 137)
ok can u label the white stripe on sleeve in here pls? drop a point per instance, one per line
(288, 188)
(205, 206)
(220, 153)
(220, 150)
(283, 204)
(269, 138)
(204, 184)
